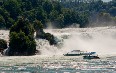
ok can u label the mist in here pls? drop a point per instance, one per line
(99, 39)
(102, 44)
(101, 20)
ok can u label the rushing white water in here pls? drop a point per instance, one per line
(100, 39)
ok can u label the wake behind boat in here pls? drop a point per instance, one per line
(86, 55)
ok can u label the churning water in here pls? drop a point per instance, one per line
(100, 39)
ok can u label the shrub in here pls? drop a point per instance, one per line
(3, 44)
(22, 39)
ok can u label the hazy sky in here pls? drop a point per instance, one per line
(106, 0)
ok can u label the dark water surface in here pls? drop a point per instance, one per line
(56, 65)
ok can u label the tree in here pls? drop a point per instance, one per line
(9, 22)
(4, 13)
(53, 15)
(13, 7)
(60, 21)
(26, 5)
(41, 15)
(38, 26)
(57, 6)
(41, 34)
(3, 44)
(61, 13)
(112, 11)
(21, 38)
(47, 6)
(23, 25)
(6, 19)
(2, 22)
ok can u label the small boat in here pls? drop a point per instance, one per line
(74, 53)
(86, 55)
(91, 56)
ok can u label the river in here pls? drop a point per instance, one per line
(99, 39)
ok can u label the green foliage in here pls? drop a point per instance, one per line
(53, 15)
(9, 22)
(13, 7)
(112, 11)
(24, 26)
(43, 10)
(38, 25)
(3, 44)
(62, 13)
(6, 20)
(60, 21)
(4, 13)
(105, 17)
(50, 38)
(26, 5)
(36, 13)
(89, 10)
(21, 38)
(41, 34)
(2, 22)
(47, 6)
(57, 6)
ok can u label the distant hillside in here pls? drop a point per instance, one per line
(58, 13)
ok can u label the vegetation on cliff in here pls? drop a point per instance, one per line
(3, 44)
(22, 38)
(24, 17)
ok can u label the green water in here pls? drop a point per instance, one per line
(55, 64)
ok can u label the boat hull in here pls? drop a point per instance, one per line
(73, 54)
(91, 57)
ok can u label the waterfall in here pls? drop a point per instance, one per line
(99, 39)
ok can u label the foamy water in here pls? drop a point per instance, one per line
(100, 39)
